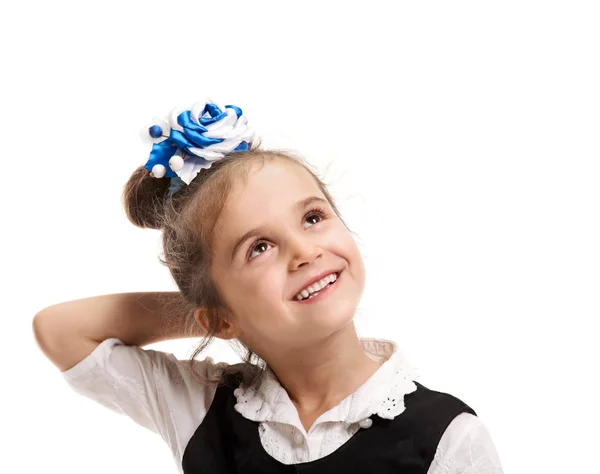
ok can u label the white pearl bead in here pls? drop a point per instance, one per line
(176, 162)
(366, 423)
(158, 171)
(299, 438)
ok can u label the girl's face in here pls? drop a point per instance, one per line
(296, 240)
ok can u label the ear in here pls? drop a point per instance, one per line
(200, 317)
(228, 329)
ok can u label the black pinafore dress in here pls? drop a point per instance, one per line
(228, 443)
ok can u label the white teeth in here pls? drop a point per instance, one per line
(316, 287)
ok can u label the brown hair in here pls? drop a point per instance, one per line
(187, 219)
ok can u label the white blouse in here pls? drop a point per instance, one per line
(158, 391)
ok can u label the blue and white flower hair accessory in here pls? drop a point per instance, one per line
(190, 140)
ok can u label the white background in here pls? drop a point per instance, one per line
(463, 145)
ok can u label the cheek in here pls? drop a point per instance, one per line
(347, 243)
(266, 288)
(352, 253)
(261, 308)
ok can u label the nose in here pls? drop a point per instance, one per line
(303, 251)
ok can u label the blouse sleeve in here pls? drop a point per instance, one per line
(466, 446)
(153, 388)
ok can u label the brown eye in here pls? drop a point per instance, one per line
(317, 217)
(317, 213)
(258, 244)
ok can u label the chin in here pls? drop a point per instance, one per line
(332, 320)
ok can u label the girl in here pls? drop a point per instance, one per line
(261, 257)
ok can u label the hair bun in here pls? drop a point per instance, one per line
(143, 199)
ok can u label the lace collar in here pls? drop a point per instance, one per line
(382, 394)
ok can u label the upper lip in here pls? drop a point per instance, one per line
(315, 279)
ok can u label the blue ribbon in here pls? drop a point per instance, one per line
(191, 137)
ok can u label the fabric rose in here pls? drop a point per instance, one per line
(190, 140)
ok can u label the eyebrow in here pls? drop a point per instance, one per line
(258, 230)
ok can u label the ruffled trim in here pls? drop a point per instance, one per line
(382, 394)
(383, 399)
(268, 401)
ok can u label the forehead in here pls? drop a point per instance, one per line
(269, 193)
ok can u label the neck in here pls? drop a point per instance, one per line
(320, 377)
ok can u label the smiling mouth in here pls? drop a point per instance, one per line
(323, 290)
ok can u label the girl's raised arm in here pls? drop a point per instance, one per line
(68, 332)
